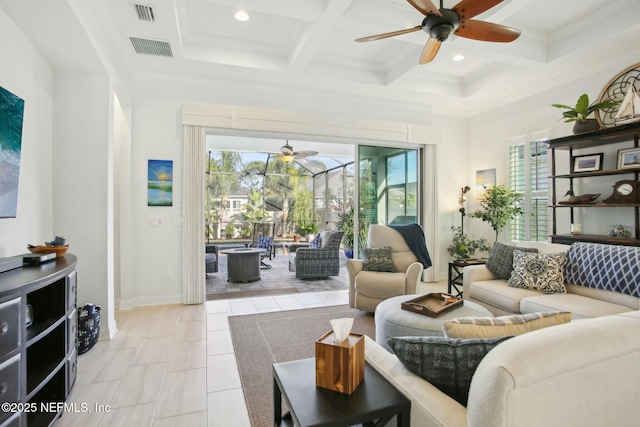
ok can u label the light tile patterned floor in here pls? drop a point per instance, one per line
(174, 365)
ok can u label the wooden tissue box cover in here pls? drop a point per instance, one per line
(340, 367)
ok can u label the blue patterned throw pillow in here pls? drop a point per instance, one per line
(264, 242)
(378, 259)
(539, 272)
(316, 242)
(447, 363)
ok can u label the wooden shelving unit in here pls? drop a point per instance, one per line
(619, 134)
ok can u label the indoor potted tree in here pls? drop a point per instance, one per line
(499, 205)
(462, 247)
(581, 112)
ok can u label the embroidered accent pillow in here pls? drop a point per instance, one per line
(539, 272)
(502, 326)
(447, 363)
(378, 259)
(316, 242)
(500, 260)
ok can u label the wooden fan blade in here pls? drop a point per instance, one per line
(426, 7)
(487, 31)
(303, 154)
(430, 50)
(391, 34)
(467, 9)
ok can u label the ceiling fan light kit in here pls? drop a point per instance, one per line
(286, 158)
(241, 15)
(441, 23)
(288, 155)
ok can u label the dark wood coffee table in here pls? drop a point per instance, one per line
(375, 399)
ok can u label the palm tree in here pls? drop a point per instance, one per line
(223, 169)
(253, 212)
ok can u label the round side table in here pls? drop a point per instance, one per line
(243, 264)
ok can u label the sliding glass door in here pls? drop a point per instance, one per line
(389, 190)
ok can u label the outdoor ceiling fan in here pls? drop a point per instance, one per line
(441, 23)
(288, 154)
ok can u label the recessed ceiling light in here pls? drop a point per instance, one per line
(459, 57)
(241, 15)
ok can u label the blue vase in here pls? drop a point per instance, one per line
(348, 253)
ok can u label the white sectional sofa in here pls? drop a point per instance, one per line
(576, 374)
(482, 286)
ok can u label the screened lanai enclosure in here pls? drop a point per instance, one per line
(295, 194)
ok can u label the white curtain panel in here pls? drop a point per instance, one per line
(193, 271)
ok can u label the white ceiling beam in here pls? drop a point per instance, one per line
(315, 35)
(505, 10)
(580, 36)
(293, 9)
(402, 67)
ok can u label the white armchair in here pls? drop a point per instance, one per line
(368, 288)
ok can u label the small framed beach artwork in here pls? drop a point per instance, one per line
(160, 183)
(484, 179)
(587, 163)
(629, 158)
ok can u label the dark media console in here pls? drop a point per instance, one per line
(38, 361)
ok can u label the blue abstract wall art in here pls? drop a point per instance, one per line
(160, 183)
(11, 117)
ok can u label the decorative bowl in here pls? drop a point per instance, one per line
(58, 250)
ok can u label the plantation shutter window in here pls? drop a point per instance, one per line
(528, 175)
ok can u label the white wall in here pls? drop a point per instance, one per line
(488, 141)
(25, 73)
(83, 176)
(65, 175)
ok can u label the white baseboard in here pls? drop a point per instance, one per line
(124, 304)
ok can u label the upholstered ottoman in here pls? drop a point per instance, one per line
(392, 321)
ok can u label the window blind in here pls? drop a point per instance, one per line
(528, 175)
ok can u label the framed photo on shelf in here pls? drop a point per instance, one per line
(629, 158)
(587, 163)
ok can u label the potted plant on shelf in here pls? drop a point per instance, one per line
(581, 112)
(499, 205)
(462, 247)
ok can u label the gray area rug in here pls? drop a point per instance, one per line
(260, 340)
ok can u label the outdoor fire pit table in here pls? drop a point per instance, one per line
(243, 264)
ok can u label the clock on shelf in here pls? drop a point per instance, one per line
(625, 191)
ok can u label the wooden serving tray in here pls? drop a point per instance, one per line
(432, 305)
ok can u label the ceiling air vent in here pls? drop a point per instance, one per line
(145, 13)
(151, 47)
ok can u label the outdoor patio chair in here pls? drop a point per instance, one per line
(316, 263)
(211, 259)
(262, 238)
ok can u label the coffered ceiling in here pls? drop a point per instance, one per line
(309, 45)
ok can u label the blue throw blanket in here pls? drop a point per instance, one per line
(610, 267)
(414, 236)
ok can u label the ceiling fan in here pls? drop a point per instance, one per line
(441, 23)
(288, 154)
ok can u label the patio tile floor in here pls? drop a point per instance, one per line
(277, 279)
